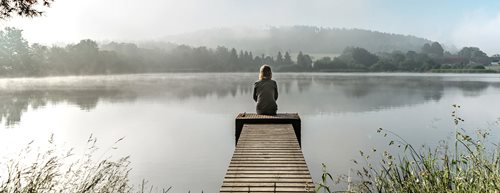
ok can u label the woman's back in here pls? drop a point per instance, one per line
(265, 93)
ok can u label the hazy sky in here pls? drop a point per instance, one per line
(457, 22)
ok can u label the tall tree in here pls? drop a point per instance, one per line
(39, 58)
(474, 54)
(436, 50)
(307, 61)
(304, 60)
(233, 59)
(288, 59)
(14, 52)
(358, 57)
(426, 49)
(85, 55)
(279, 59)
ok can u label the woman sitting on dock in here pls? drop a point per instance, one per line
(265, 92)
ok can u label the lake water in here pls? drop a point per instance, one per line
(179, 128)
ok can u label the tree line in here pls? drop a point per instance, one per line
(19, 58)
(431, 57)
(308, 39)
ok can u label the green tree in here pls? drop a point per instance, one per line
(397, 57)
(288, 59)
(222, 56)
(14, 52)
(474, 54)
(304, 61)
(279, 59)
(436, 50)
(39, 59)
(84, 57)
(322, 64)
(358, 57)
(337, 63)
(471, 52)
(384, 66)
(426, 49)
(233, 59)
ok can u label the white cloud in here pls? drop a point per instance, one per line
(478, 30)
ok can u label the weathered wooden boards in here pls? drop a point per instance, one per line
(281, 118)
(267, 158)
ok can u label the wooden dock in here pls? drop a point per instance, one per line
(267, 157)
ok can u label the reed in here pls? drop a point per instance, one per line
(51, 171)
(469, 163)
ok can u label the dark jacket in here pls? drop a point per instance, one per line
(265, 93)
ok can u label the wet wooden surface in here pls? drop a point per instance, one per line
(267, 158)
(280, 118)
(277, 116)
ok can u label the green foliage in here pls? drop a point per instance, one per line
(383, 65)
(288, 59)
(358, 57)
(434, 50)
(469, 163)
(471, 52)
(474, 54)
(279, 59)
(24, 8)
(13, 50)
(477, 67)
(326, 179)
(304, 60)
(461, 70)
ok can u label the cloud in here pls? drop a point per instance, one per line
(479, 30)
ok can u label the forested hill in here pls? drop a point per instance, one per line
(300, 38)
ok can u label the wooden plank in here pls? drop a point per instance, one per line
(264, 189)
(294, 176)
(272, 180)
(236, 169)
(278, 116)
(267, 172)
(281, 118)
(268, 158)
(268, 184)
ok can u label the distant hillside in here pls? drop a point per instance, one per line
(300, 38)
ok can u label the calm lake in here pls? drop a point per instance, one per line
(179, 128)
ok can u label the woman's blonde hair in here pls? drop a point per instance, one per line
(265, 72)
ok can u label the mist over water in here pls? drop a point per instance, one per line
(179, 127)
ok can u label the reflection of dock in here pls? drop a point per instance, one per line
(267, 157)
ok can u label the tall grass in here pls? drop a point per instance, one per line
(53, 172)
(469, 163)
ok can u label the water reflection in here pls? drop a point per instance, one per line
(317, 93)
(179, 127)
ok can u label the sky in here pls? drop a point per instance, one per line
(452, 22)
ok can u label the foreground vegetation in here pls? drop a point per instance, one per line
(50, 172)
(470, 163)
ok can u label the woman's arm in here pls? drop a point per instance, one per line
(275, 91)
(255, 92)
